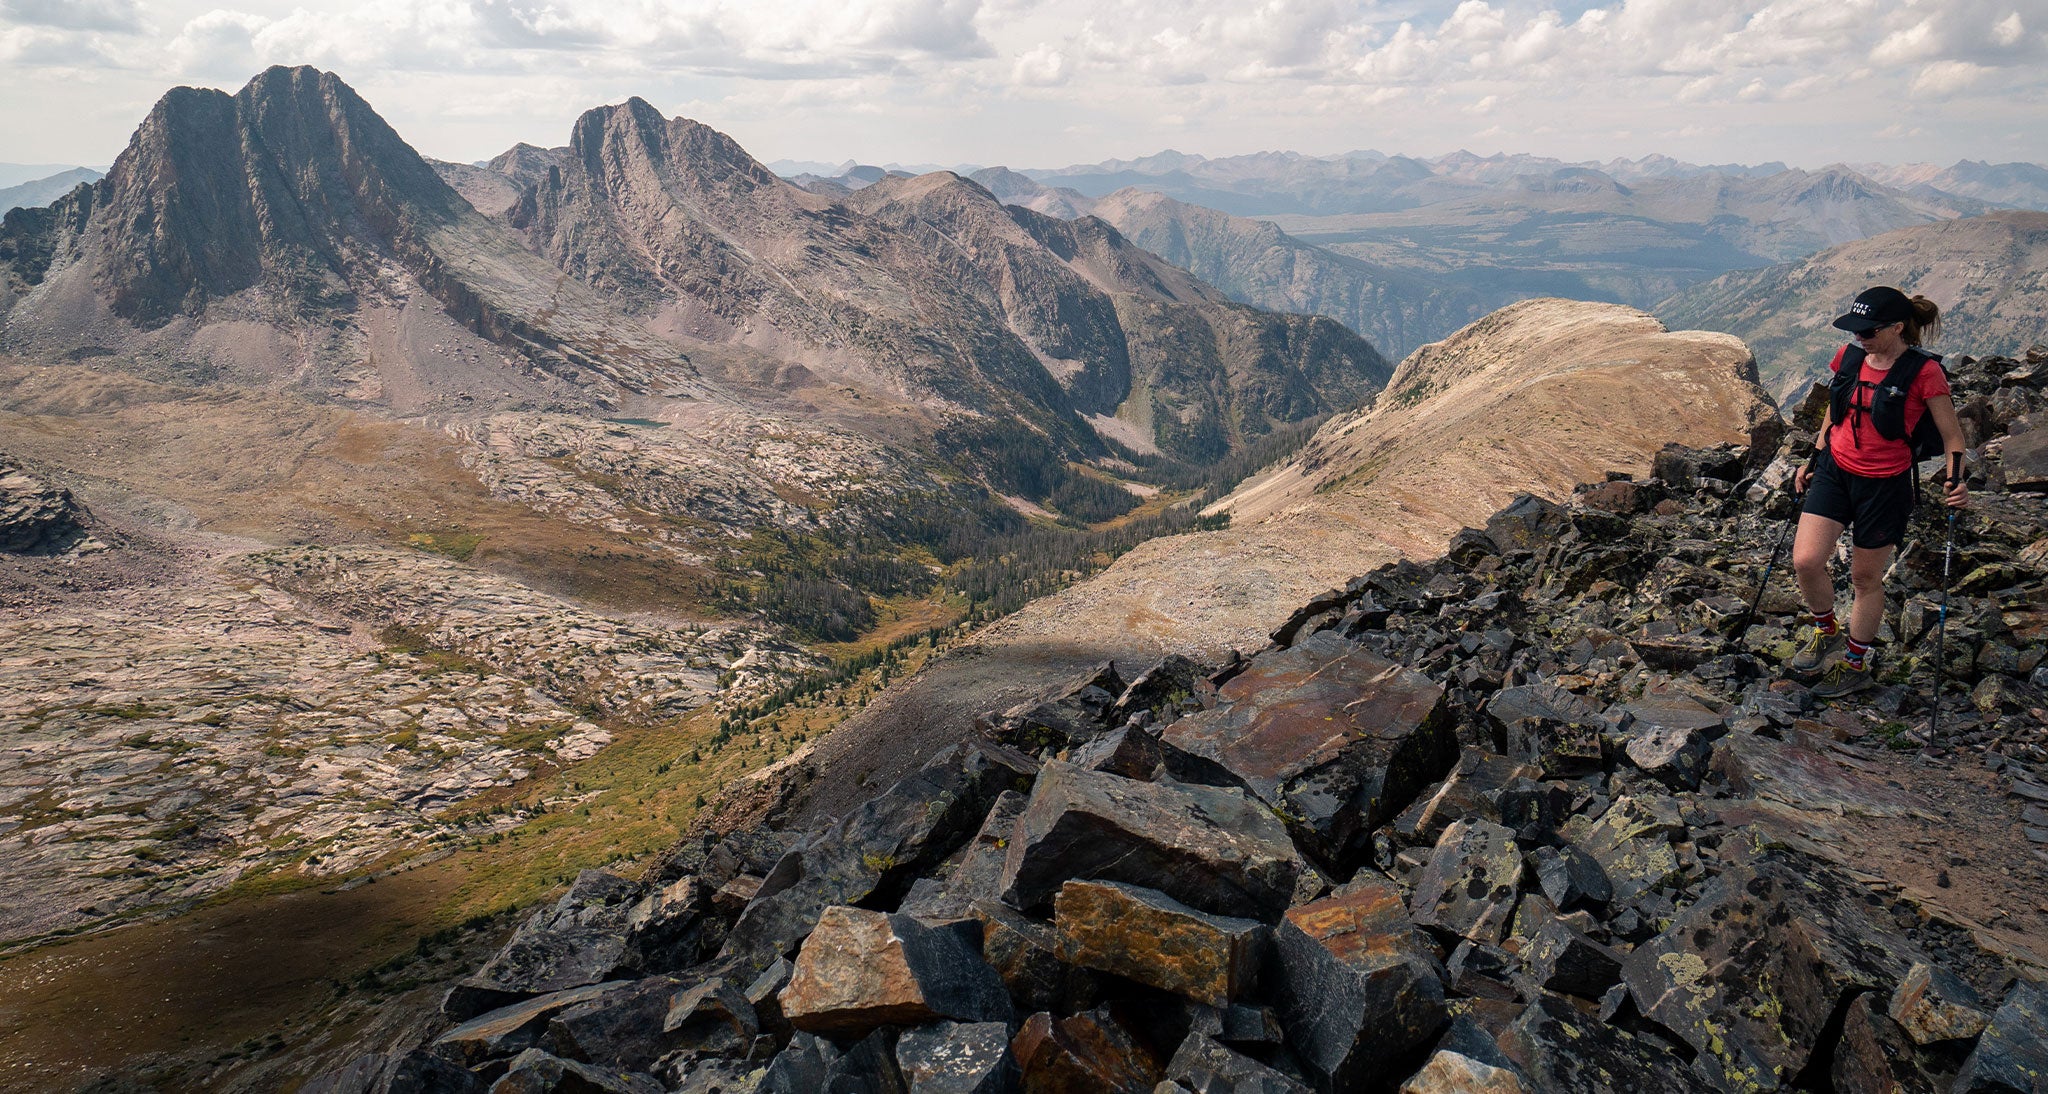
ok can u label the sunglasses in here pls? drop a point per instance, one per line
(1872, 332)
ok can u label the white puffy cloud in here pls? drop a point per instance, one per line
(111, 15)
(1418, 76)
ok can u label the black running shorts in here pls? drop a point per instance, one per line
(1874, 509)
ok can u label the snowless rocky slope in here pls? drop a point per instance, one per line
(1541, 814)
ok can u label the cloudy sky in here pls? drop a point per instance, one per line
(1044, 83)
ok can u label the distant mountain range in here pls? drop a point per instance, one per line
(1988, 273)
(42, 191)
(1407, 250)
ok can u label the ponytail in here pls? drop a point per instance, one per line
(1925, 324)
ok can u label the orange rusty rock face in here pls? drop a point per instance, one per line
(1151, 938)
(851, 977)
(1366, 927)
(1086, 1054)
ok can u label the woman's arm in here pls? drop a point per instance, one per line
(1943, 408)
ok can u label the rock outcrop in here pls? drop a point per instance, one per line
(39, 519)
(1556, 909)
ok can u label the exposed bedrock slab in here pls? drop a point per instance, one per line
(862, 970)
(873, 854)
(1470, 884)
(1211, 848)
(1334, 737)
(1751, 974)
(1147, 936)
(1356, 987)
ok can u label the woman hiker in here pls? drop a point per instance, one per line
(1861, 476)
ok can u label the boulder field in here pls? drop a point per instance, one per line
(1542, 814)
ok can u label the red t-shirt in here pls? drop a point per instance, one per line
(1854, 442)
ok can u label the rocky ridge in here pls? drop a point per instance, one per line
(1540, 814)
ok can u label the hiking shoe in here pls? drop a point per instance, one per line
(1843, 679)
(1819, 650)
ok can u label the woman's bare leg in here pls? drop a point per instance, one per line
(1866, 572)
(1811, 546)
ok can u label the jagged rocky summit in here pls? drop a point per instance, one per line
(1541, 814)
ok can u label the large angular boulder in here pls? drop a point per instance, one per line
(1356, 986)
(1025, 952)
(1559, 1047)
(974, 873)
(536, 1072)
(1933, 1004)
(580, 939)
(1470, 884)
(513, 1029)
(1873, 1053)
(1751, 974)
(1550, 727)
(1470, 792)
(1450, 1072)
(1334, 737)
(814, 1065)
(1209, 847)
(2012, 1054)
(619, 1029)
(1094, 1052)
(958, 1058)
(1206, 1067)
(873, 854)
(1632, 843)
(862, 970)
(1144, 935)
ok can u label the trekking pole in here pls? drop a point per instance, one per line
(1749, 620)
(1948, 550)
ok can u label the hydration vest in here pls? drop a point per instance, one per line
(1888, 400)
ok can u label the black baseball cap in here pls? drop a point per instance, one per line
(1878, 307)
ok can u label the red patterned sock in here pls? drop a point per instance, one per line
(1825, 621)
(1857, 652)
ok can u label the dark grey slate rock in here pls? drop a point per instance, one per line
(2012, 1055)
(1559, 1047)
(1127, 751)
(1332, 736)
(1563, 959)
(578, 940)
(1208, 847)
(1354, 982)
(1471, 882)
(1207, 1067)
(621, 1028)
(536, 1072)
(513, 1029)
(958, 1058)
(874, 853)
(1571, 878)
(975, 872)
